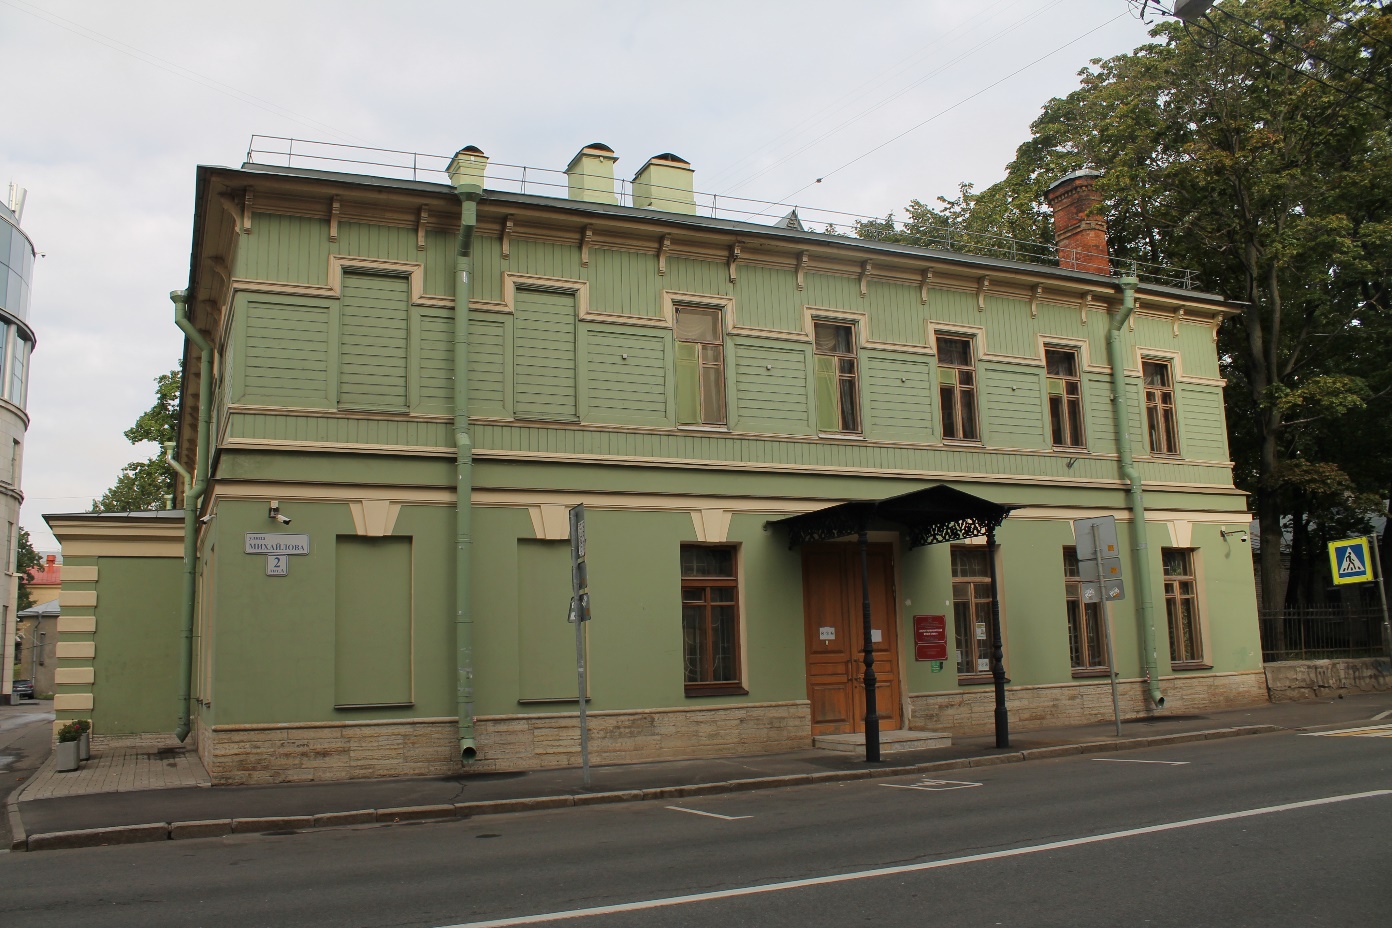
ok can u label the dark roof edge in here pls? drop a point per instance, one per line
(1099, 281)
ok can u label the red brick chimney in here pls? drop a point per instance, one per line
(1080, 231)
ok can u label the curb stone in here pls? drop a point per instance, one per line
(134, 834)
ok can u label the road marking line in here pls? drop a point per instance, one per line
(1132, 760)
(934, 786)
(1369, 731)
(1382, 715)
(728, 818)
(909, 868)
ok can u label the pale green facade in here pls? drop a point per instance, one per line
(329, 300)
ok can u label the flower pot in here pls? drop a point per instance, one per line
(84, 746)
(66, 756)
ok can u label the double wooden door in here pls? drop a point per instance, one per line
(835, 638)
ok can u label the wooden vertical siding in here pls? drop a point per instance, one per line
(372, 351)
(293, 249)
(624, 283)
(373, 343)
(544, 350)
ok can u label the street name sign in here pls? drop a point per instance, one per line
(1350, 560)
(276, 543)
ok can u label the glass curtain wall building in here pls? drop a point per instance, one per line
(16, 342)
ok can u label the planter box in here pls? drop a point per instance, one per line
(84, 746)
(65, 756)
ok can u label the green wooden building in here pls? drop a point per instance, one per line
(690, 380)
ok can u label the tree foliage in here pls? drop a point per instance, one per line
(26, 559)
(1257, 151)
(145, 484)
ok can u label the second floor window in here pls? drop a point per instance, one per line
(838, 399)
(1065, 397)
(957, 388)
(700, 367)
(1161, 424)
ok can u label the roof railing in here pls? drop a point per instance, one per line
(282, 151)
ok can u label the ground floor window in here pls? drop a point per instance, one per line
(971, 609)
(1087, 633)
(710, 617)
(1182, 606)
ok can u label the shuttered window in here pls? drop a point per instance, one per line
(373, 334)
(544, 355)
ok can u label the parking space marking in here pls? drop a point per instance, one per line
(727, 818)
(1133, 760)
(933, 786)
(1382, 715)
(1370, 731)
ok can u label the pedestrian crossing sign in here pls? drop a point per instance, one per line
(1350, 561)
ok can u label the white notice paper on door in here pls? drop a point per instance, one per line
(874, 636)
(828, 633)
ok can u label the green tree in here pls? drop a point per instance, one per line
(26, 559)
(1261, 157)
(145, 484)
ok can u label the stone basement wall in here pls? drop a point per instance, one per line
(1292, 680)
(972, 712)
(290, 753)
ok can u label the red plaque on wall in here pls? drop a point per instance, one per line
(930, 637)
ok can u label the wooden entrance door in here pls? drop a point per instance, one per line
(834, 631)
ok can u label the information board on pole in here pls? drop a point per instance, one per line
(580, 614)
(1100, 582)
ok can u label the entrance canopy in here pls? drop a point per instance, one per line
(926, 517)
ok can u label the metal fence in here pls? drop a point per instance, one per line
(1302, 633)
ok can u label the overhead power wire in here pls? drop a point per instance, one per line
(1305, 51)
(945, 111)
(855, 94)
(124, 48)
(1217, 33)
(1372, 39)
(887, 100)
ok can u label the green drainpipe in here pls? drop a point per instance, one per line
(194, 486)
(466, 172)
(1139, 548)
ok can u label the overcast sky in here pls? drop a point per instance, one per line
(106, 108)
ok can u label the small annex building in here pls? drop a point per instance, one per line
(376, 586)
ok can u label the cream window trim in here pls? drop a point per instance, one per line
(860, 320)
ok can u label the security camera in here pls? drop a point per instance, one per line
(276, 514)
(283, 520)
(206, 519)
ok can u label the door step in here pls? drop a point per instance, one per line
(891, 742)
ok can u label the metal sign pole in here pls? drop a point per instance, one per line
(1382, 595)
(579, 613)
(1107, 629)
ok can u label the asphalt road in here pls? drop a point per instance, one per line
(25, 733)
(1071, 842)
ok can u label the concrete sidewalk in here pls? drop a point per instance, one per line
(192, 811)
